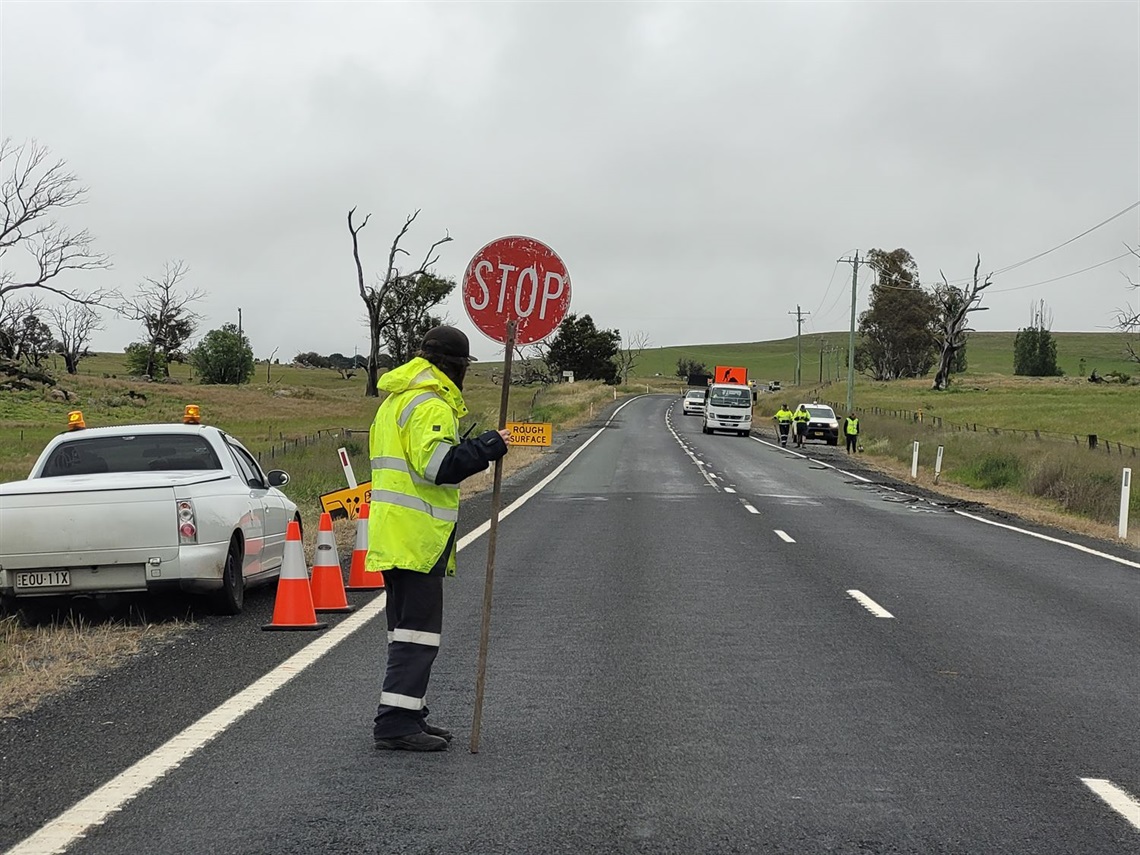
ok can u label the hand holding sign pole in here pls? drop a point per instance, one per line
(516, 291)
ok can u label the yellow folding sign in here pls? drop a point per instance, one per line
(531, 433)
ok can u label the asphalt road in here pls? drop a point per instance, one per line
(677, 665)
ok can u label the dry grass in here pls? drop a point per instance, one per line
(38, 662)
(1034, 509)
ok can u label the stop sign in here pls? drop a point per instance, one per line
(516, 279)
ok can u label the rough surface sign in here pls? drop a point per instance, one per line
(516, 279)
(531, 433)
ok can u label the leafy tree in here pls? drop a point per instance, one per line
(581, 347)
(141, 360)
(897, 331)
(24, 337)
(1034, 348)
(408, 306)
(685, 367)
(312, 359)
(223, 356)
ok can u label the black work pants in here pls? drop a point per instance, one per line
(852, 442)
(784, 428)
(801, 433)
(415, 620)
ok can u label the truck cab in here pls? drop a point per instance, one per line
(728, 407)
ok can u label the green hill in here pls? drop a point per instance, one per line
(986, 353)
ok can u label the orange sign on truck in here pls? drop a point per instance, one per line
(731, 374)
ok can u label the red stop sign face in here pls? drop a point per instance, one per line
(516, 279)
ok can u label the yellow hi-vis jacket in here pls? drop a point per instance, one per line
(802, 415)
(851, 426)
(783, 416)
(411, 518)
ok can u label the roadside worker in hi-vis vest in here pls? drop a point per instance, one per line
(851, 429)
(801, 417)
(783, 419)
(418, 460)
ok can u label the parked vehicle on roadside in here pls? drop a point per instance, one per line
(728, 407)
(823, 424)
(137, 508)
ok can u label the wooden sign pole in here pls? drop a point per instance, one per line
(492, 535)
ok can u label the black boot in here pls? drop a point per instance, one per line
(432, 730)
(419, 741)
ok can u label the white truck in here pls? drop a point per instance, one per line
(728, 406)
(138, 508)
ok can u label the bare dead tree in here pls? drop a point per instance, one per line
(628, 353)
(23, 335)
(75, 324)
(162, 306)
(530, 364)
(953, 328)
(33, 191)
(378, 307)
(1128, 318)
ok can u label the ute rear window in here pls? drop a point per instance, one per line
(144, 453)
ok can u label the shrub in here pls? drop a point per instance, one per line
(992, 471)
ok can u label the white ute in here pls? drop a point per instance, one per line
(142, 507)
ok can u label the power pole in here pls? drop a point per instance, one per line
(799, 350)
(239, 322)
(854, 262)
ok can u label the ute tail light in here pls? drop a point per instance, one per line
(187, 524)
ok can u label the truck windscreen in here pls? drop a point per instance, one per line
(142, 453)
(730, 398)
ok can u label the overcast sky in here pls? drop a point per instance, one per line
(699, 167)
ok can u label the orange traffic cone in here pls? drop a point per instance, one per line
(293, 608)
(328, 584)
(358, 578)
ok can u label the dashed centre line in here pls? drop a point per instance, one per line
(784, 536)
(1119, 800)
(750, 509)
(869, 604)
(729, 490)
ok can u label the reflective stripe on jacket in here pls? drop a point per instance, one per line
(783, 416)
(412, 518)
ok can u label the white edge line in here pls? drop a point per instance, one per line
(699, 463)
(812, 459)
(784, 536)
(1070, 544)
(92, 810)
(1116, 798)
(869, 604)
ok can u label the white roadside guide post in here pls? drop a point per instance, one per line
(938, 465)
(348, 473)
(914, 462)
(1125, 490)
(516, 291)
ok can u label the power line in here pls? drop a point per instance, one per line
(1063, 276)
(1131, 207)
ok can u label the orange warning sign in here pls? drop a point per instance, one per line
(531, 433)
(730, 374)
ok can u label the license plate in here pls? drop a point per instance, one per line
(44, 579)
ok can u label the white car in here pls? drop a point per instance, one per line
(693, 403)
(139, 508)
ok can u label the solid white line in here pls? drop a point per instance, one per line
(1076, 546)
(784, 536)
(750, 509)
(869, 604)
(93, 810)
(58, 834)
(696, 461)
(729, 490)
(1116, 798)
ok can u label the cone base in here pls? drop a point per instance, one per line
(335, 609)
(292, 627)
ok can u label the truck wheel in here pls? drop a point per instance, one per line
(230, 599)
